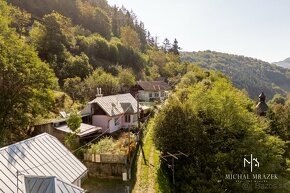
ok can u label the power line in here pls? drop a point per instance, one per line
(87, 144)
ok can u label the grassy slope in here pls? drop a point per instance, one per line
(149, 177)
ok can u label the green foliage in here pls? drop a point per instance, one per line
(74, 121)
(130, 37)
(108, 145)
(94, 46)
(279, 121)
(76, 66)
(73, 87)
(26, 82)
(100, 79)
(94, 19)
(20, 20)
(278, 99)
(175, 48)
(126, 79)
(248, 73)
(214, 123)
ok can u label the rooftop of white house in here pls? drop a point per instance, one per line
(117, 104)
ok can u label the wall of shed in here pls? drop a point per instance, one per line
(105, 170)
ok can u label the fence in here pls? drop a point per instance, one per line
(105, 158)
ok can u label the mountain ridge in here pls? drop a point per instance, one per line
(247, 73)
(284, 63)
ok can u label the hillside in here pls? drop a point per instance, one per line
(285, 63)
(246, 73)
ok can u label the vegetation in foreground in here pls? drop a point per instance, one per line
(216, 125)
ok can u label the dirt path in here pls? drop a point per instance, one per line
(151, 172)
(146, 172)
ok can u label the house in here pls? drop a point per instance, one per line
(152, 90)
(38, 164)
(113, 112)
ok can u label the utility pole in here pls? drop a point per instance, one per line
(172, 166)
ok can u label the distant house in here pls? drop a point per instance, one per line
(152, 90)
(38, 164)
(113, 112)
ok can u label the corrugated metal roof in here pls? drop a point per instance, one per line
(42, 155)
(36, 184)
(154, 85)
(85, 129)
(50, 184)
(63, 187)
(117, 104)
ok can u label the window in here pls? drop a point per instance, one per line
(127, 118)
(117, 121)
(156, 95)
(150, 95)
(162, 94)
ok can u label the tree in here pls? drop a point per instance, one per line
(26, 82)
(76, 66)
(53, 39)
(216, 128)
(166, 45)
(73, 121)
(94, 19)
(126, 79)
(278, 99)
(130, 37)
(21, 20)
(175, 48)
(73, 87)
(100, 79)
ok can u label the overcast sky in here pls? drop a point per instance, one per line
(254, 28)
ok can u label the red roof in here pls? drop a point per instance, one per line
(154, 85)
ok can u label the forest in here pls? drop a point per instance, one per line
(73, 47)
(246, 73)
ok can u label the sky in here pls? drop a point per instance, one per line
(254, 28)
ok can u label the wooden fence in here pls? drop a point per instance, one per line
(105, 158)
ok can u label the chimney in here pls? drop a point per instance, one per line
(99, 92)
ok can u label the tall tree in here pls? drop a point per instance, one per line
(130, 37)
(166, 45)
(175, 48)
(25, 82)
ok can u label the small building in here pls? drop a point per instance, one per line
(113, 112)
(85, 130)
(262, 107)
(60, 130)
(38, 163)
(153, 90)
